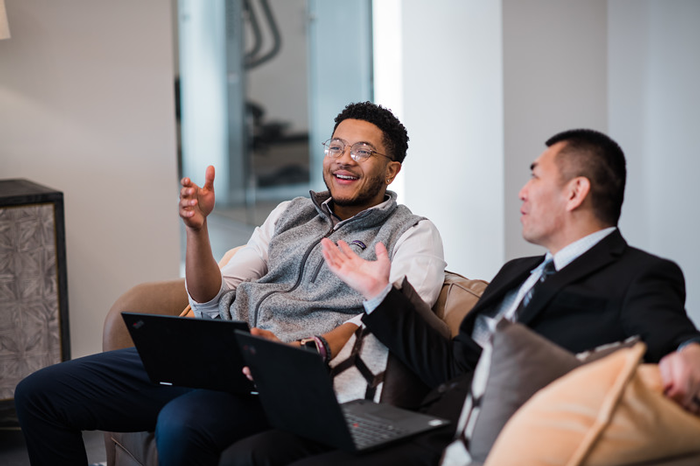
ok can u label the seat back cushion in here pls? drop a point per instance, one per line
(458, 296)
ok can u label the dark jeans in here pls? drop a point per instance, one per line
(111, 391)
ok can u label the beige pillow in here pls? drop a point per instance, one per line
(514, 365)
(608, 412)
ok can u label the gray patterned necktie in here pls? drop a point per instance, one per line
(547, 271)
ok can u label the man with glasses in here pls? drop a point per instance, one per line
(278, 283)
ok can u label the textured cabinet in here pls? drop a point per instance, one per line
(33, 283)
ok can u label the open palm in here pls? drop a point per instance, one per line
(368, 278)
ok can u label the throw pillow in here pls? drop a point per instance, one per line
(364, 368)
(609, 412)
(516, 365)
(358, 369)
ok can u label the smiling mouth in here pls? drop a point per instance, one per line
(345, 177)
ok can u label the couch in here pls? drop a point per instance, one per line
(457, 297)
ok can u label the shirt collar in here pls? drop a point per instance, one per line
(576, 249)
(388, 198)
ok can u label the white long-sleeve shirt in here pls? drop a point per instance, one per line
(417, 255)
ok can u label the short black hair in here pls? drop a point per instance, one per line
(395, 135)
(596, 156)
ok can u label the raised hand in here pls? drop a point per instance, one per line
(368, 278)
(197, 203)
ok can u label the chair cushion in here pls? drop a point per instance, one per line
(458, 296)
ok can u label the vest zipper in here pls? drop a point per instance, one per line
(303, 263)
(299, 276)
(320, 264)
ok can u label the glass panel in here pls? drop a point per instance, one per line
(259, 92)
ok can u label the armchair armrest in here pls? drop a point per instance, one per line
(167, 298)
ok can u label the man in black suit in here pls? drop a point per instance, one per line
(592, 289)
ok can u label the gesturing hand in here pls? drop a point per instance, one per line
(197, 203)
(368, 278)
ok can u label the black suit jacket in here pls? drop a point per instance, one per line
(609, 293)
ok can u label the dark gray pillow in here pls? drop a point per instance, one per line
(518, 364)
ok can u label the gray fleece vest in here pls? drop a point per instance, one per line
(299, 296)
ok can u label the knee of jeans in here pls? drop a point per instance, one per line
(30, 388)
(176, 423)
(23, 392)
(32, 396)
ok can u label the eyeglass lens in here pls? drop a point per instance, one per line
(358, 151)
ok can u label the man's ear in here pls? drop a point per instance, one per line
(392, 169)
(577, 191)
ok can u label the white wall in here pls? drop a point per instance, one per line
(452, 78)
(654, 65)
(554, 61)
(86, 107)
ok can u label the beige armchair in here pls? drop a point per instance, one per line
(458, 296)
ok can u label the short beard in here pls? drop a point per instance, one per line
(374, 186)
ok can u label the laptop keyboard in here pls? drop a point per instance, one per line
(367, 431)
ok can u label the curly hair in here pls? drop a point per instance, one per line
(395, 135)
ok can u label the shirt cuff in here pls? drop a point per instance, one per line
(687, 342)
(372, 304)
(357, 320)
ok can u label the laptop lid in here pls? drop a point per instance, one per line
(188, 352)
(296, 392)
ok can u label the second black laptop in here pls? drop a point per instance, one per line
(297, 395)
(189, 352)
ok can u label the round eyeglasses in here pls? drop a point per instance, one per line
(360, 151)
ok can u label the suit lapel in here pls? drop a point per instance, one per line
(606, 251)
(511, 276)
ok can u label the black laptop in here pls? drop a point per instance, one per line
(297, 395)
(187, 352)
